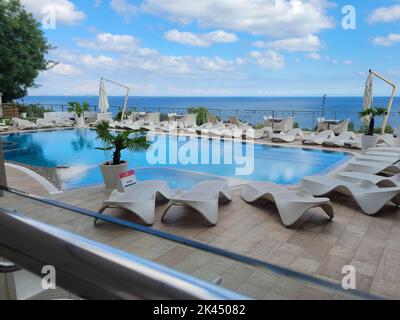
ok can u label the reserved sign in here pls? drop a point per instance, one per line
(128, 179)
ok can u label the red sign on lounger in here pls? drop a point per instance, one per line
(128, 179)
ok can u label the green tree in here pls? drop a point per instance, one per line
(369, 114)
(23, 48)
(132, 140)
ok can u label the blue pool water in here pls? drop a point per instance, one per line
(76, 148)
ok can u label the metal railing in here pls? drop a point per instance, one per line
(305, 119)
(69, 256)
(92, 270)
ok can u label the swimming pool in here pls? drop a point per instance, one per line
(76, 149)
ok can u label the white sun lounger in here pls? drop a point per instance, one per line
(341, 140)
(393, 181)
(291, 204)
(378, 158)
(385, 149)
(386, 140)
(368, 196)
(289, 136)
(168, 126)
(44, 124)
(23, 124)
(204, 198)
(236, 122)
(373, 167)
(319, 138)
(64, 123)
(139, 199)
(254, 133)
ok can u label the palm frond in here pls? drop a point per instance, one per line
(138, 144)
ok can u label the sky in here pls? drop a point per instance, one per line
(219, 47)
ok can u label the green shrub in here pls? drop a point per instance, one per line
(201, 112)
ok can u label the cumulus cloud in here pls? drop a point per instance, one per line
(66, 12)
(387, 41)
(124, 8)
(309, 43)
(268, 59)
(313, 56)
(385, 14)
(278, 18)
(200, 40)
(63, 69)
(111, 42)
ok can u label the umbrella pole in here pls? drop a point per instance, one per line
(125, 103)
(385, 120)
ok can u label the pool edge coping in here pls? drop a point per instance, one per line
(46, 184)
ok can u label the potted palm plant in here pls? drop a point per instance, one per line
(369, 139)
(132, 140)
(79, 110)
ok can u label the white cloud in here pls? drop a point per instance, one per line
(63, 69)
(278, 18)
(385, 14)
(200, 40)
(313, 56)
(309, 43)
(268, 59)
(348, 62)
(387, 41)
(124, 8)
(111, 42)
(66, 12)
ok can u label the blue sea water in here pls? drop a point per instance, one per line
(306, 110)
(76, 148)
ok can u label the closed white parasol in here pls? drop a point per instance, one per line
(103, 99)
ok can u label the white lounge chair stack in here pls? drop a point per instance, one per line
(44, 124)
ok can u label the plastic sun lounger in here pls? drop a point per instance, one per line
(393, 181)
(289, 136)
(203, 198)
(139, 199)
(44, 124)
(254, 134)
(372, 167)
(385, 149)
(23, 124)
(377, 158)
(340, 140)
(319, 138)
(168, 126)
(291, 204)
(64, 123)
(387, 140)
(368, 196)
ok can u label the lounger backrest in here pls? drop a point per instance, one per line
(285, 125)
(153, 117)
(189, 120)
(341, 127)
(212, 119)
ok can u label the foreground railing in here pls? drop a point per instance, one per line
(304, 119)
(94, 270)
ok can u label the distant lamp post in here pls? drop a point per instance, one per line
(324, 98)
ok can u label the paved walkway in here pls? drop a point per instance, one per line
(314, 245)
